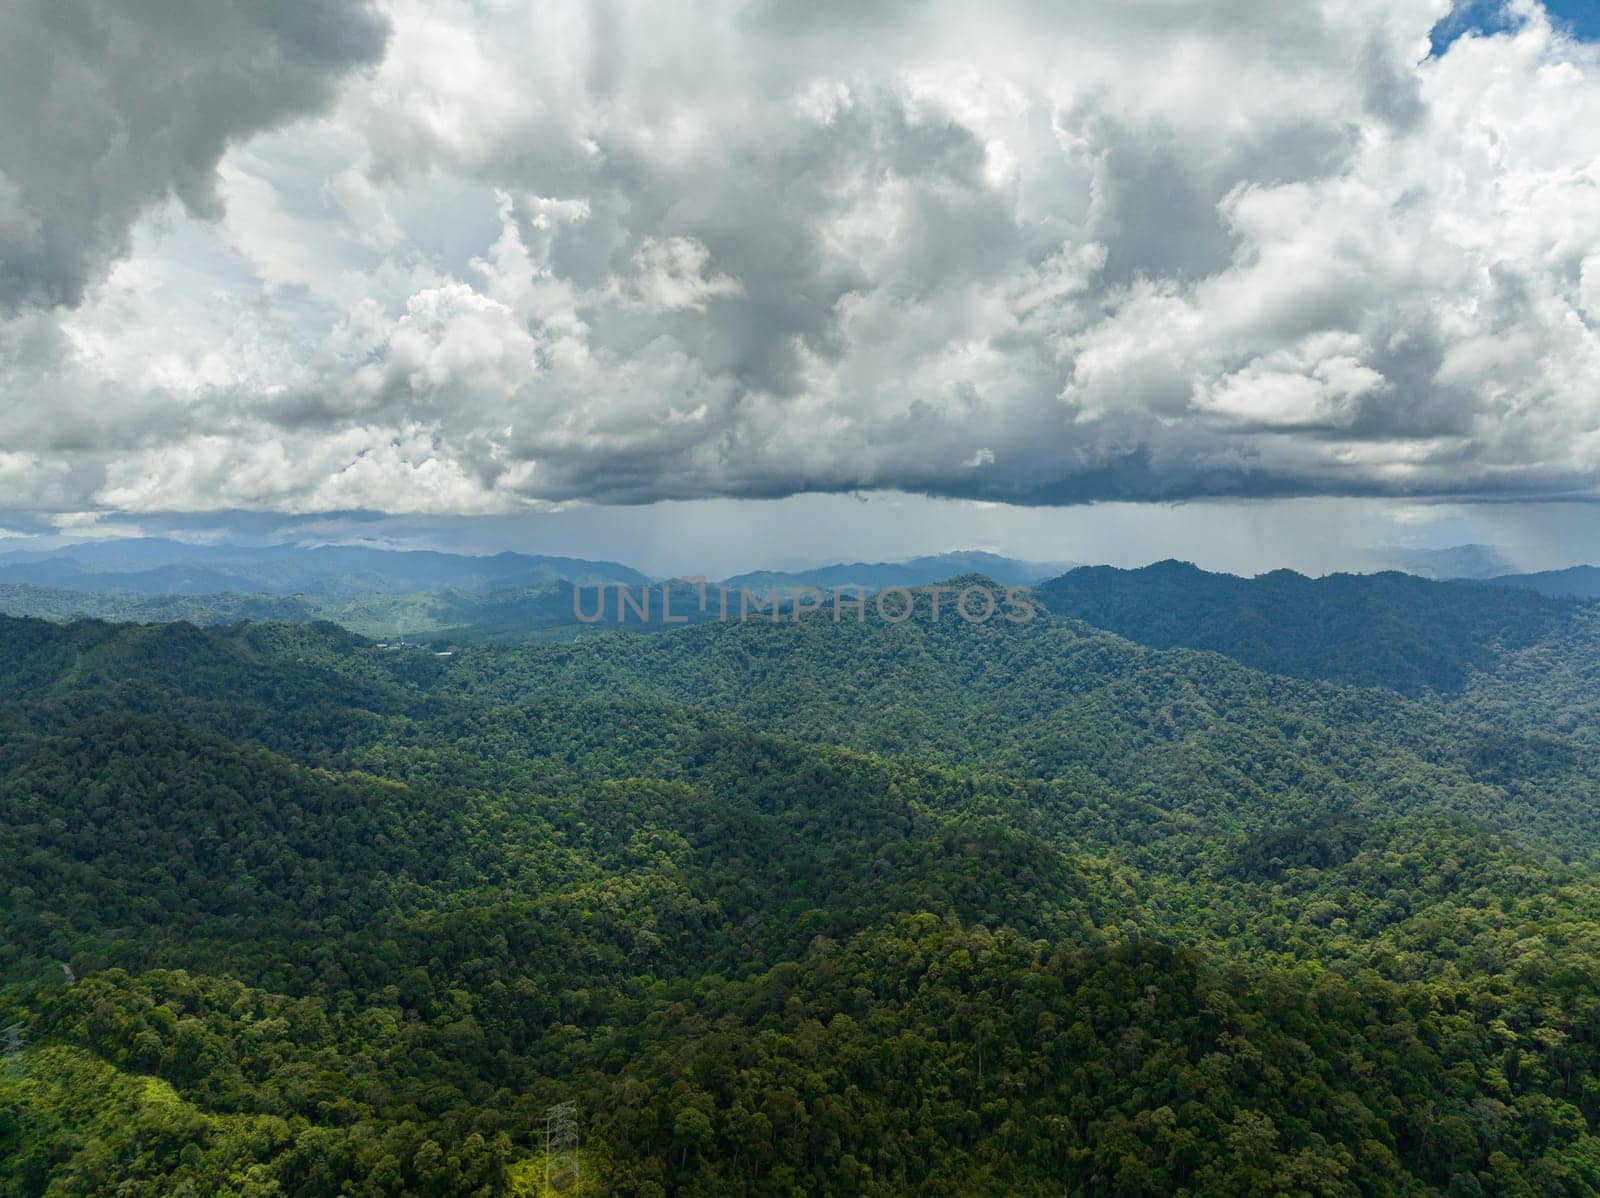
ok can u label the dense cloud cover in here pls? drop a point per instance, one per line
(110, 107)
(1022, 251)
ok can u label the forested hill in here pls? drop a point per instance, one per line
(1055, 699)
(1392, 630)
(1580, 581)
(786, 907)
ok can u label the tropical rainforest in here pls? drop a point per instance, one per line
(1188, 885)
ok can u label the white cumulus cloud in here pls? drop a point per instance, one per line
(1024, 252)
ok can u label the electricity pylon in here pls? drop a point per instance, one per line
(561, 1169)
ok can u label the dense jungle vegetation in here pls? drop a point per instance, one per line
(813, 908)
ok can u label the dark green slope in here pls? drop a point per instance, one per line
(793, 909)
(1581, 582)
(1194, 735)
(1492, 655)
(1392, 630)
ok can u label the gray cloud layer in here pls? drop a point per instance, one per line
(1038, 253)
(110, 107)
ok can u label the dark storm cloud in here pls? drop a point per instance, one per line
(1034, 253)
(110, 107)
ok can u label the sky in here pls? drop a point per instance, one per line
(712, 286)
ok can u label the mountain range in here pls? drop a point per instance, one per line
(807, 907)
(152, 566)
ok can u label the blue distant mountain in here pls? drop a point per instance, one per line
(918, 571)
(1581, 582)
(1458, 561)
(160, 567)
(377, 591)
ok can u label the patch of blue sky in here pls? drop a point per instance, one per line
(1580, 18)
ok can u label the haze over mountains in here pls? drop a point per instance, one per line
(918, 571)
(1458, 561)
(381, 592)
(158, 566)
(447, 597)
(155, 566)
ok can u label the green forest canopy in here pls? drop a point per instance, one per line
(795, 908)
